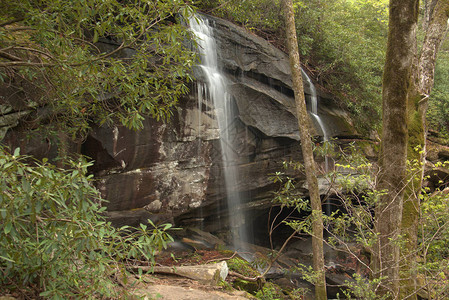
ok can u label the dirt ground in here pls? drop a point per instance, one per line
(169, 287)
(172, 287)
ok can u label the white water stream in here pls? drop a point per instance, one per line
(314, 113)
(215, 90)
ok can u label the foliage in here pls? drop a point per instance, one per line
(438, 111)
(242, 267)
(269, 291)
(346, 45)
(95, 61)
(350, 228)
(361, 288)
(54, 241)
(433, 237)
(354, 223)
(257, 15)
(342, 42)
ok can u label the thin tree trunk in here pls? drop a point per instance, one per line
(393, 156)
(429, 6)
(434, 36)
(419, 94)
(306, 146)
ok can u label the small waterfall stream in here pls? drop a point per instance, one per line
(215, 90)
(316, 116)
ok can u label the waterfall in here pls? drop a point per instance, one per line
(315, 115)
(215, 90)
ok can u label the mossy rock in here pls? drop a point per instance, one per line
(251, 287)
(242, 267)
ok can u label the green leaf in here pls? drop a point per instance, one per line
(7, 259)
(7, 228)
(95, 39)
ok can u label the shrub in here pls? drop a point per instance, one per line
(54, 241)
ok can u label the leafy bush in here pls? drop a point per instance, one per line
(342, 43)
(54, 241)
(346, 49)
(270, 291)
(74, 56)
(438, 112)
(255, 15)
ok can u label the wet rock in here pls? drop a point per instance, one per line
(205, 237)
(443, 154)
(168, 170)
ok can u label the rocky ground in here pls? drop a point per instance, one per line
(172, 287)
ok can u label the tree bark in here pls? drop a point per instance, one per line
(419, 94)
(429, 6)
(306, 146)
(434, 36)
(393, 156)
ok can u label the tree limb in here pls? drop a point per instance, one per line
(9, 56)
(25, 64)
(9, 22)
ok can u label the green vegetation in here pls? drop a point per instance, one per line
(438, 112)
(243, 267)
(70, 65)
(348, 52)
(351, 232)
(270, 291)
(342, 44)
(54, 242)
(95, 62)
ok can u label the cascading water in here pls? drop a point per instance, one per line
(314, 113)
(215, 89)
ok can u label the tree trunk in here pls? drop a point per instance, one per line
(434, 36)
(429, 6)
(393, 156)
(306, 146)
(423, 84)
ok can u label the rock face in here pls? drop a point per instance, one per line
(168, 170)
(174, 170)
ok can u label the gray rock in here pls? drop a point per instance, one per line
(174, 171)
(176, 168)
(210, 273)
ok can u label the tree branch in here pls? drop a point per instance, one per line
(9, 56)
(35, 50)
(9, 22)
(22, 63)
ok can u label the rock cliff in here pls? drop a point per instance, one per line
(174, 170)
(167, 170)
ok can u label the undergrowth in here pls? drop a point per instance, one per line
(54, 242)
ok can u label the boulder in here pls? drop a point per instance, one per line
(209, 273)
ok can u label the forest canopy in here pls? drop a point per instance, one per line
(72, 55)
(94, 62)
(342, 43)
